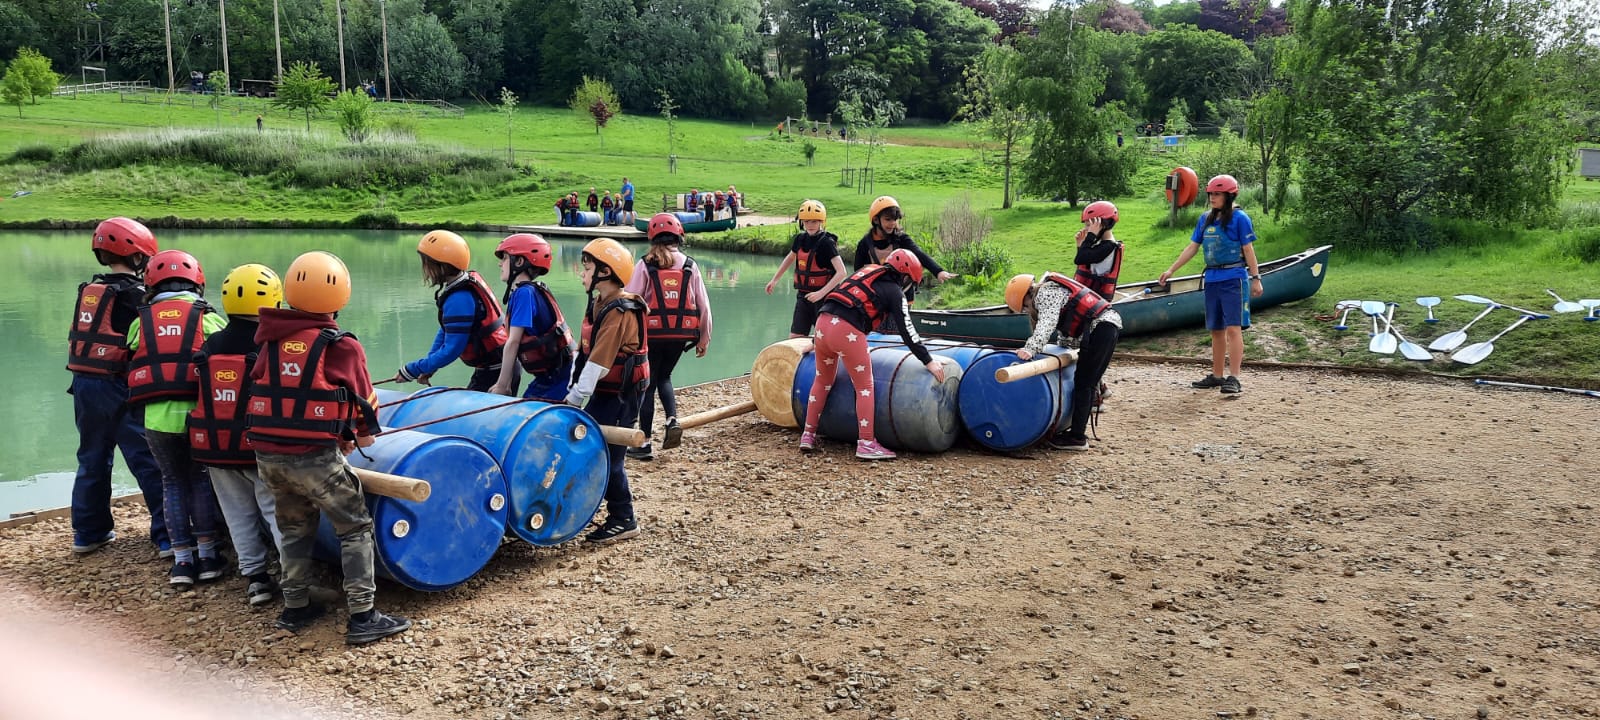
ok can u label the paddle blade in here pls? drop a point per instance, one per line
(1567, 306)
(1448, 341)
(1383, 343)
(1413, 351)
(1475, 299)
(1473, 354)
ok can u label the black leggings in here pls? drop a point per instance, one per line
(1094, 356)
(664, 356)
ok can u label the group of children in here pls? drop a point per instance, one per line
(250, 417)
(615, 208)
(712, 203)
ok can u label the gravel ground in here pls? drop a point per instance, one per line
(1323, 546)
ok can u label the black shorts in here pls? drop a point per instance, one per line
(627, 205)
(805, 315)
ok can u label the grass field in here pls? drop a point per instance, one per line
(926, 168)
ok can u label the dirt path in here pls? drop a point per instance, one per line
(1324, 546)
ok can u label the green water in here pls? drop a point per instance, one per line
(392, 312)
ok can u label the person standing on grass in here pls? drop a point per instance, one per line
(680, 318)
(818, 269)
(1226, 235)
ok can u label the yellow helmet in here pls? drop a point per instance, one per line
(813, 210)
(611, 254)
(446, 247)
(879, 205)
(248, 288)
(317, 282)
(1017, 290)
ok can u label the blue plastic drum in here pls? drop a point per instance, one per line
(912, 411)
(689, 217)
(554, 456)
(436, 544)
(584, 218)
(1014, 415)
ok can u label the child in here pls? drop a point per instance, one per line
(97, 355)
(312, 404)
(217, 425)
(886, 236)
(614, 368)
(708, 206)
(171, 326)
(606, 205)
(1099, 258)
(538, 339)
(470, 322)
(680, 318)
(873, 296)
(1226, 234)
(1084, 319)
(818, 269)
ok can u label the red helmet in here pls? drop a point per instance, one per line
(174, 264)
(122, 237)
(1223, 184)
(1099, 209)
(664, 223)
(906, 264)
(529, 247)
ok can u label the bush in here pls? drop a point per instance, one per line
(961, 244)
(1583, 244)
(35, 152)
(786, 98)
(376, 220)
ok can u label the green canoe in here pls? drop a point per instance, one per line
(1145, 307)
(694, 227)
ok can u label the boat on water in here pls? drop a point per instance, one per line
(693, 223)
(1146, 307)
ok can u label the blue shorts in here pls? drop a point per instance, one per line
(1227, 304)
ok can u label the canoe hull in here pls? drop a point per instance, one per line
(643, 224)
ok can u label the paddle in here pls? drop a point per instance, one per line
(1372, 309)
(1346, 306)
(1453, 340)
(1562, 306)
(1384, 343)
(1590, 305)
(1411, 350)
(1429, 302)
(1552, 388)
(1486, 301)
(1476, 352)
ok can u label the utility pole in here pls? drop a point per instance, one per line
(166, 14)
(383, 9)
(277, 40)
(222, 12)
(338, 9)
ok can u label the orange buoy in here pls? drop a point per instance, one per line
(1185, 184)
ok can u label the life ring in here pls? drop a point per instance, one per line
(1185, 183)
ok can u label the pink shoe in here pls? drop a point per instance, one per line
(871, 450)
(808, 441)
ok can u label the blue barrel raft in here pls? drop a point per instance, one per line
(912, 412)
(689, 217)
(553, 456)
(584, 219)
(1017, 414)
(437, 544)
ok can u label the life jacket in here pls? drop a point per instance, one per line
(488, 334)
(630, 372)
(720, 200)
(546, 352)
(856, 292)
(1082, 307)
(674, 309)
(93, 346)
(295, 403)
(808, 277)
(1222, 252)
(217, 422)
(1104, 283)
(169, 336)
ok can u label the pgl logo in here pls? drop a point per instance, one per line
(670, 282)
(91, 300)
(169, 314)
(226, 376)
(294, 347)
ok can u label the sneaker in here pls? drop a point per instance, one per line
(612, 531)
(83, 548)
(296, 619)
(808, 441)
(375, 626)
(1230, 385)
(260, 590)
(871, 450)
(164, 550)
(674, 435)
(212, 568)
(643, 452)
(183, 575)
(1207, 382)
(1073, 444)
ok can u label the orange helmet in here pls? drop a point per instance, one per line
(813, 210)
(122, 237)
(905, 263)
(610, 253)
(317, 282)
(446, 247)
(664, 223)
(174, 265)
(528, 246)
(1223, 184)
(1099, 209)
(882, 203)
(1017, 290)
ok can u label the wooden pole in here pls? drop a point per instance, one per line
(395, 486)
(383, 8)
(1040, 366)
(277, 40)
(626, 437)
(338, 11)
(722, 413)
(222, 14)
(166, 15)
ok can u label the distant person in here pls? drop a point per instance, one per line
(471, 324)
(818, 269)
(1119, 138)
(593, 201)
(627, 202)
(607, 209)
(258, 124)
(1227, 236)
(733, 201)
(708, 206)
(372, 90)
(617, 217)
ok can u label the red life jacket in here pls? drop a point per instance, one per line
(1083, 305)
(169, 336)
(295, 403)
(630, 371)
(546, 352)
(217, 422)
(488, 334)
(1105, 285)
(808, 276)
(856, 292)
(674, 308)
(93, 346)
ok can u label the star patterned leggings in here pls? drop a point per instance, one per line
(838, 339)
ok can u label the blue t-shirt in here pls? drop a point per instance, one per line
(527, 309)
(627, 191)
(1224, 246)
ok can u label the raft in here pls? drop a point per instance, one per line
(911, 411)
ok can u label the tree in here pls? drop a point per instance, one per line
(303, 89)
(33, 71)
(477, 26)
(668, 108)
(994, 105)
(596, 101)
(217, 87)
(352, 111)
(14, 90)
(1191, 66)
(1121, 18)
(508, 110)
(1242, 19)
(1011, 16)
(424, 60)
(866, 104)
(786, 98)
(16, 29)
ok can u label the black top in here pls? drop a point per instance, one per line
(888, 297)
(897, 241)
(1093, 251)
(824, 247)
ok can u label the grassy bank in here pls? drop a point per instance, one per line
(81, 165)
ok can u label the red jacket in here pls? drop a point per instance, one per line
(344, 364)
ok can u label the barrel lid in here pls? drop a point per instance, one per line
(772, 379)
(1009, 416)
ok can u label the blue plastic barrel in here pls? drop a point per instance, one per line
(439, 543)
(690, 217)
(584, 219)
(554, 456)
(912, 412)
(1017, 414)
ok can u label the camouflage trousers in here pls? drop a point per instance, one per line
(305, 488)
